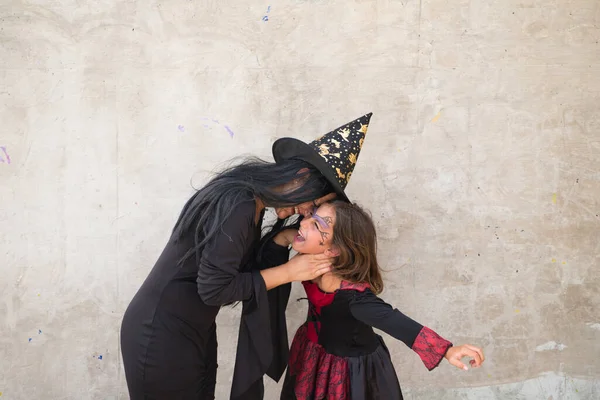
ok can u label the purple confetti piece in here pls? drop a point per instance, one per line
(230, 131)
(268, 9)
(6, 154)
(209, 120)
(181, 128)
(265, 18)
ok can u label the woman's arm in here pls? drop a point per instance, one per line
(219, 278)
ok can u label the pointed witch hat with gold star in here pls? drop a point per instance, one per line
(333, 154)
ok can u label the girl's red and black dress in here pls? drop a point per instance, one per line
(336, 355)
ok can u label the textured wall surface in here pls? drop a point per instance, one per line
(481, 167)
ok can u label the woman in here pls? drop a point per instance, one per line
(168, 334)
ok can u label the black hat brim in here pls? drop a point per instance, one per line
(290, 148)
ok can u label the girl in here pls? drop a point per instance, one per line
(335, 354)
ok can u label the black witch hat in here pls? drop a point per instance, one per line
(333, 154)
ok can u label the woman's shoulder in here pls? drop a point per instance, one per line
(243, 206)
(237, 218)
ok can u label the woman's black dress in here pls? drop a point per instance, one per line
(168, 334)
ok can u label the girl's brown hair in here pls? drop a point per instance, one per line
(355, 237)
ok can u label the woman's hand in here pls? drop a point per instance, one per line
(456, 353)
(302, 267)
(305, 267)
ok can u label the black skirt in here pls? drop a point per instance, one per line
(314, 374)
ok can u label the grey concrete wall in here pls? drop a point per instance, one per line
(481, 168)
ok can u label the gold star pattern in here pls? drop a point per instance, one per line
(352, 158)
(340, 173)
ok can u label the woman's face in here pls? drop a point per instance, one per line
(305, 209)
(316, 231)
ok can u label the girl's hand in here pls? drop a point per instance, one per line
(456, 353)
(305, 267)
(286, 237)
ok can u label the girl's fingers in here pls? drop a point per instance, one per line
(473, 354)
(466, 351)
(458, 364)
(479, 359)
(476, 349)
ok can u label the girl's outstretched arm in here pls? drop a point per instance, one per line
(430, 346)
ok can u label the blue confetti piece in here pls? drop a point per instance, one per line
(30, 339)
(99, 357)
(39, 331)
(265, 18)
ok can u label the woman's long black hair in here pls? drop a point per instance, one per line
(206, 211)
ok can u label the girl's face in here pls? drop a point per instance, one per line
(316, 232)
